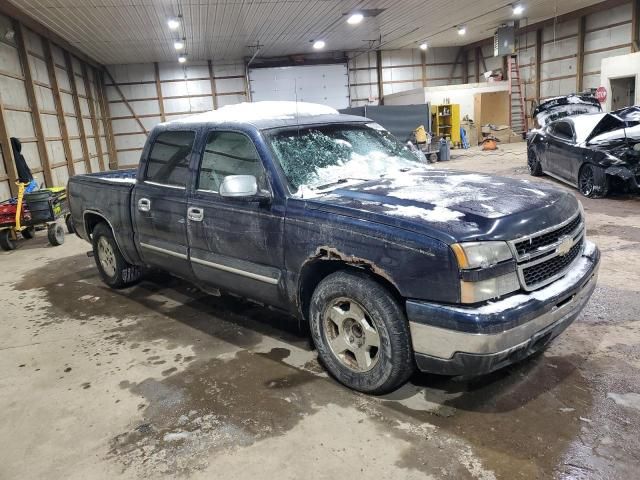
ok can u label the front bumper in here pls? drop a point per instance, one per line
(452, 340)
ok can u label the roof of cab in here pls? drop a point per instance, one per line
(266, 115)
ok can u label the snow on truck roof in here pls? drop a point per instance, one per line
(269, 114)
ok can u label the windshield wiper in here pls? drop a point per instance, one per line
(340, 181)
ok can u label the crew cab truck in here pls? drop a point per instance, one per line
(395, 265)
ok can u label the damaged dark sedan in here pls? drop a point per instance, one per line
(579, 144)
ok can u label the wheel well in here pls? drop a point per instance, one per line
(317, 270)
(91, 220)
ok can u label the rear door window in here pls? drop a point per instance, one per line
(168, 162)
(562, 130)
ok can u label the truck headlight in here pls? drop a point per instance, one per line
(487, 270)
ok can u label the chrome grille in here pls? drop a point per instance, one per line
(547, 255)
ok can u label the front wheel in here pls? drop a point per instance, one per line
(535, 168)
(7, 242)
(114, 269)
(361, 333)
(593, 181)
(55, 234)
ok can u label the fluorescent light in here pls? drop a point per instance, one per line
(424, 46)
(462, 30)
(173, 23)
(518, 9)
(319, 44)
(355, 18)
(178, 45)
(182, 58)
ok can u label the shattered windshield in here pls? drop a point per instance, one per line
(319, 156)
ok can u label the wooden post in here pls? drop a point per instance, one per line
(35, 109)
(78, 111)
(478, 52)
(127, 104)
(380, 80)
(57, 100)
(106, 121)
(7, 152)
(156, 70)
(214, 91)
(92, 113)
(580, 57)
(423, 61)
(538, 62)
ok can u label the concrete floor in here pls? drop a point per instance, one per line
(163, 380)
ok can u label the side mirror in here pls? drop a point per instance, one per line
(242, 187)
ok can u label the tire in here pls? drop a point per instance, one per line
(28, 233)
(6, 242)
(68, 221)
(535, 168)
(115, 271)
(55, 234)
(369, 351)
(593, 181)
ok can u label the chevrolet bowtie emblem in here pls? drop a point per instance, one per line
(565, 246)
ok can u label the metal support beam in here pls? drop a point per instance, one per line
(465, 67)
(212, 79)
(57, 101)
(380, 78)
(455, 62)
(156, 70)
(580, 56)
(478, 52)
(94, 120)
(33, 103)
(538, 62)
(635, 25)
(423, 62)
(78, 111)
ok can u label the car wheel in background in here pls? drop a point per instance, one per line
(535, 169)
(114, 269)
(361, 333)
(68, 221)
(593, 181)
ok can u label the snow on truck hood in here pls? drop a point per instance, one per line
(457, 203)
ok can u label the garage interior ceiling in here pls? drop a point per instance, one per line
(134, 31)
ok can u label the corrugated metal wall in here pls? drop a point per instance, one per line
(50, 100)
(142, 95)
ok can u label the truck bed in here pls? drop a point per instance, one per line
(105, 196)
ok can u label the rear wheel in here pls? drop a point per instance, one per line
(114, 269)
(593, 181)
(7, 243)
(68, 221)
(535, 168)
(28, 233)
(55, 234)
(361, 333)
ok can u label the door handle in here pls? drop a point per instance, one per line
(144, 205)
(195, 214)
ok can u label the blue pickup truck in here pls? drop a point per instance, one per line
(395, 265)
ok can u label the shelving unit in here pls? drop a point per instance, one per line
(446, 122)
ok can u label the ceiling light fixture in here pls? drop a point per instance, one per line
(355, 18)
(182, 58)
(319, 44)
(518, 9)
(462, 29)
(173, 23)
(424, 46)
(179, 45)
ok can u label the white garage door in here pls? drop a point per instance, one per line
(325, 84)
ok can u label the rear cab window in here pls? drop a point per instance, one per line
(168, 161)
